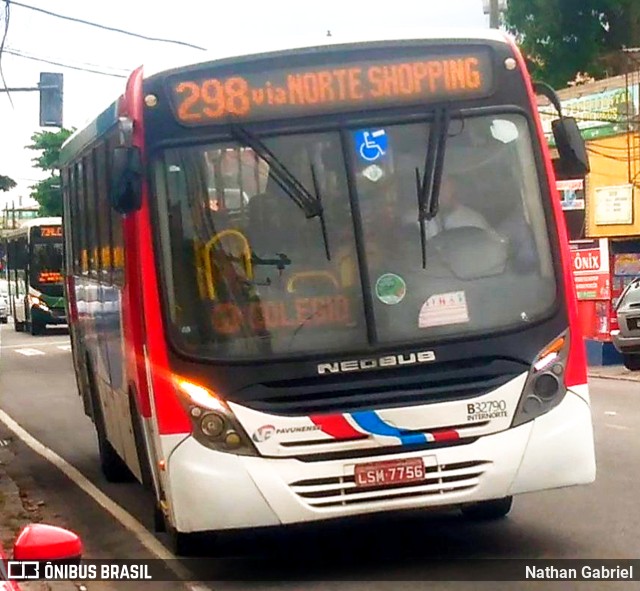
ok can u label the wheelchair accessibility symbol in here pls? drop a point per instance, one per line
(371, 143)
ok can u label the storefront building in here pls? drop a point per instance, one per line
(601, 210)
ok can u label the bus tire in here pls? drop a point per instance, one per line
(18, 326)
(488, 510)
(182, 544)
(141, 448)
(112, 465)
(159, 523)
(37, 328)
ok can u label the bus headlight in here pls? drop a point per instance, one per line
(213, 423)
(544, 388)
(38, 303)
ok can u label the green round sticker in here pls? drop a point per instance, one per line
(391, 288)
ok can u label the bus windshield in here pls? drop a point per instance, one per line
(46, 265)
(249, 273)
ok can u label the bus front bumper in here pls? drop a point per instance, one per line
(52, 316)
(211, 491)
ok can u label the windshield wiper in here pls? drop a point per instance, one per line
(286, 180)
(428, 187)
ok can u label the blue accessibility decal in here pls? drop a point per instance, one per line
(371, 144)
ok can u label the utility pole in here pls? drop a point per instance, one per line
(494, 8)
(494, 14)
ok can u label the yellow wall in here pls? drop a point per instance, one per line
(609, 162)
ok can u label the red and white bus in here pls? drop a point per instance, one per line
(328, 281)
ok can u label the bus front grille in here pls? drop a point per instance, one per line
(439, 480)
(384, 389)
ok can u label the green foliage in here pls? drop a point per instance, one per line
(49, 144)
(564, 38)
(6, 183)
(48, 193)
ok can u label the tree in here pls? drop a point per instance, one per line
(6, 183)
(48, 193)
(564, 38)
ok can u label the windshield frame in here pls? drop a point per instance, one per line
(343, 124)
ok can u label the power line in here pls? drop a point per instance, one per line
(7, 14)
(104, 27)
(39, 59)
(102, 68)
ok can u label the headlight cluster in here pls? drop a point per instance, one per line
(36, 301)
(213, 423)
(544, 387)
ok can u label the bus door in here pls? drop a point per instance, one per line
(17, 268)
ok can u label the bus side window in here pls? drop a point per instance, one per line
(74, 222)
(117, 233)
(92, 230)
(103, 210)
(82, 219)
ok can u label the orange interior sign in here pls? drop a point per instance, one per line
(230, 318)
(49, 277)
(205, 99)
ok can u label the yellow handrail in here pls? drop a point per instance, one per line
(248, 267)
(306, 274)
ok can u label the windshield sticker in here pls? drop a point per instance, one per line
(444, 308)
(374, 173)
(390, 288)
(371, 144)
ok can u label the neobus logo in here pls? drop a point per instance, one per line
(379, 362)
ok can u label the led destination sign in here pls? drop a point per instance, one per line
(51, 231)
(285, 92)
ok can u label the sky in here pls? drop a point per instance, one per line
(246, 25)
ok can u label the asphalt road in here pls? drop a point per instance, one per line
(599, 521)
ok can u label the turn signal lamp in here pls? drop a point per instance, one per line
(200, 396)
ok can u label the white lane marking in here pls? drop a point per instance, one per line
(619, 427)
(40, 344)
(29, 352)
(611, 413)
(125, 518)
(64, 347)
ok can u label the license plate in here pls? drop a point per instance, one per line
(391, 472)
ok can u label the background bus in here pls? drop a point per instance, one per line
(34, 274)
(335, 340)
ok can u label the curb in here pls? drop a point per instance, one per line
(622, 378)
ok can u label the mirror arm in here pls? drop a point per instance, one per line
(545, 90)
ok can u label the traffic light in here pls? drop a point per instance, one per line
(50, 99)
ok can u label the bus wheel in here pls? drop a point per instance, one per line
(182, 544)
(487, 510)
(159, 523)
(18, 326)
(111, 464)
(37, 328)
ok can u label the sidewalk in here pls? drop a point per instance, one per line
(16, 510)
(614, 372)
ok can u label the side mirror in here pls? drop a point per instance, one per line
(46, 542)
(126, 179)
(571, 147)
